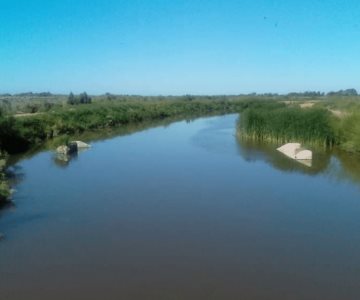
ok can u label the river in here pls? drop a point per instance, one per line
(183, 211)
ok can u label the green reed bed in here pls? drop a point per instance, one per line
(348, 132)
(280, 124)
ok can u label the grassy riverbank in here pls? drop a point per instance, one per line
(4, 186)
(327, 123)
(31, 119)
(21, 131)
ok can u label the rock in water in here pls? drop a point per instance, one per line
(290, 149)
(62, 149)
(72, 147)
(81, 144)
(294, 151)
(67, 149)
(303, 155)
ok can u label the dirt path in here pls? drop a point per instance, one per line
(22, 115)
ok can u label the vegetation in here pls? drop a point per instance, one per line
(332, 121)
(29, 119)
(81, 99)
(19, 134)
(278, 123)
(348, 132)
(346, 123)
(348, 92)
(4, 186)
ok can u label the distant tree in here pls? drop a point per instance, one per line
(351, 92)
(189, 97)
(306, 94)
(71, 99)
(44, 94)
(110, 97)
(348, 92)
(84, 98)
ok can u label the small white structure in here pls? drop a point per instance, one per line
(294, 151)
(80, 144)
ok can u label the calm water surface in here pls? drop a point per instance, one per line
(182, 212)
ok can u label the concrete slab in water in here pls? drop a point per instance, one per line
(294, 151)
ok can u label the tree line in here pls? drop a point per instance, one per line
(81, 99)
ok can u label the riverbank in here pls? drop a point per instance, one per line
(4, 186)
(314, 125)
(18, 135)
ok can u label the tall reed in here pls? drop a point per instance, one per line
(281, 124)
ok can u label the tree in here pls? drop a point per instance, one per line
(84, 98)
(71, 99)
(348, 92)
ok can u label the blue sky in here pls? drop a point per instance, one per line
(179, 46)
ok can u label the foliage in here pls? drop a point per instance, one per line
(306, 94)
(348, 92)
(348, 132)
(81, 99)
(11, 139)
(4, 186)
(281, 124)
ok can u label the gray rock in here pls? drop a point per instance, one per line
(67, 149)
(63, 149)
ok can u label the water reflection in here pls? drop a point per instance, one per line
(336, 164)
(253, 151)
(6, 206)
(348, 166)
(63, 160)
(93, 136)
(15, 176)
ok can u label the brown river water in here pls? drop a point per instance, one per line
(183, 211)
